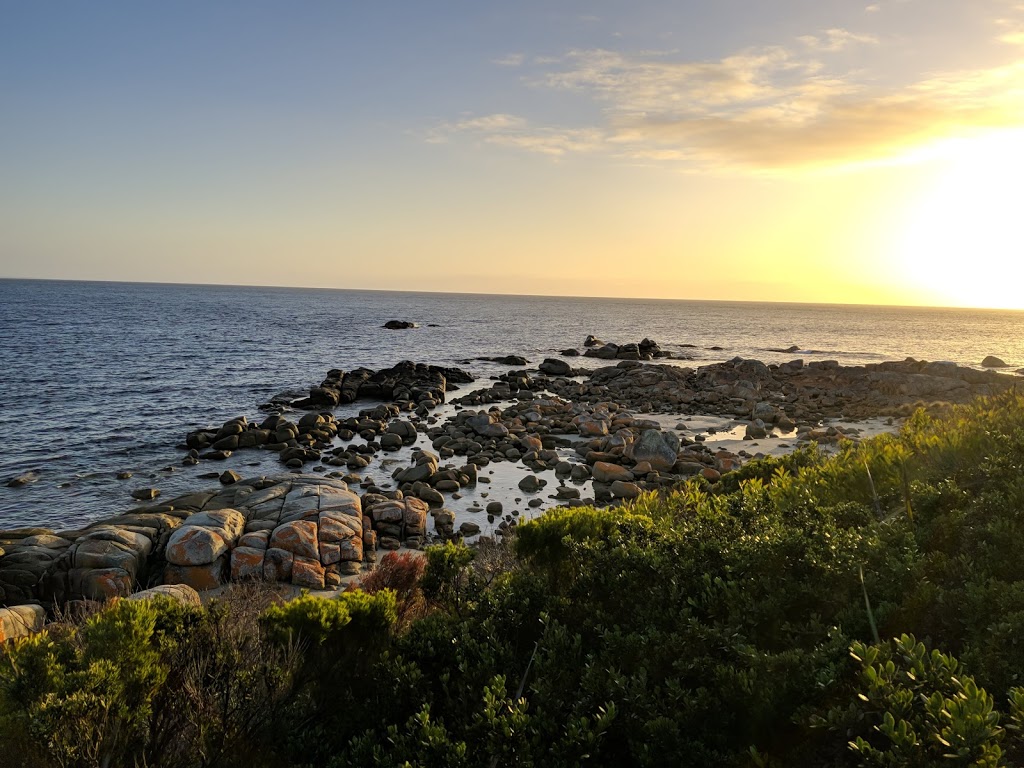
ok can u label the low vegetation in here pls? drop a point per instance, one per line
(865, 609)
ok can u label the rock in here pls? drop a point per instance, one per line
(755, 431)
(21, 621)
(181, 593)
(23, 479)
(658, 449)
(606, 472)
(246, 563)
(589, 425)
(298, 537)
(199, 577)
(623, 490)
(308, 573)
(593, 341)
(494, 508)
(398, 325)
(229, 523)
(486, 424)
(230, 477)
(554, 367)
(431, 496)
(766, 412)
(277, 565)
(124, 475)
(444, 522)
(531, 484)
(193, 545)
(469, 529)
(993, 362)
(145, 494)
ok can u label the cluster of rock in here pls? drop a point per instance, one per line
(304, 530)
(645, 350)
(413, 385)
(307, 440)
(787, 393)
(622, 454)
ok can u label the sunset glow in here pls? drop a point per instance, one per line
(963, 241)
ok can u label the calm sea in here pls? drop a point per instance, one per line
(97, 378)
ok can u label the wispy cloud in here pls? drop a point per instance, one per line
(832, 40)
(511, 60)
(513, 131)
(769, 108)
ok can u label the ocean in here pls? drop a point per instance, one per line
(101, 378)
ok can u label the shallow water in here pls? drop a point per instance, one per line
(96, 378)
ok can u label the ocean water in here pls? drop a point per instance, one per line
(97, 378)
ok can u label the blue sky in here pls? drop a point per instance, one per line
(592, 148)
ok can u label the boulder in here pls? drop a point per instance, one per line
(606, 472)
(194, 545)
(277, 565)
(21, 621)
(308, 573)
(246, 563)
(298, 537)
(623, 490)
(229, 523)
(991, 361)
(182, 593)
(552, 366)
(658, 449)
(199, 577)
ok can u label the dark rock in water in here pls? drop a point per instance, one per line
(993, 362)
(787, 350)
(531, 484)
(145, 494)
(715, 349)
(554, 367)
(507, 360)
(604, 352)
(398, 325)
(230, 477)
(570, 352)
(593, 341)
(23, 479)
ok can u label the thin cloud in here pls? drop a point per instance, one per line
(832, 40)
(511, 60)
(516, 132)
(775, 108)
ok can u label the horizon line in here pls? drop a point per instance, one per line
(504, 295)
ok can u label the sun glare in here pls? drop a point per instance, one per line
(963, 241)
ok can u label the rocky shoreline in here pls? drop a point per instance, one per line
(530, 439)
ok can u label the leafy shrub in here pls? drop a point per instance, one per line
(401, 573)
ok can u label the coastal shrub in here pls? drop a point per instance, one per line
(918, 708)
(401, 573)
(82, 696)
(705, 626)
(448, 581)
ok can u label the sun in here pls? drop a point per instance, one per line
(963, 240)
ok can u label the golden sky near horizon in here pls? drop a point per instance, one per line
(787, 150)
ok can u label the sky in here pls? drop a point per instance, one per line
(782, 150)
